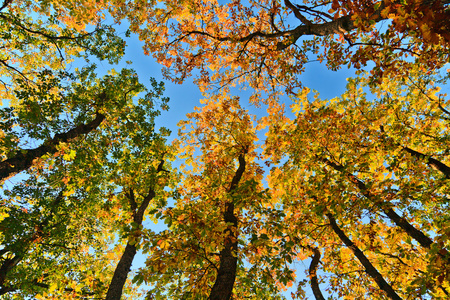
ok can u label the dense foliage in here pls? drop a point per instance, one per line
(356, 187)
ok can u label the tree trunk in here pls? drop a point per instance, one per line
(313, 275)
(226, 275)
(124, 266)
(121, 273)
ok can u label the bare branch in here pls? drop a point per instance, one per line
(297, 13)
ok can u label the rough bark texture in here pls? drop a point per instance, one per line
(25, 158)
(124, 266)
(226, 275)
(370, 269)
(313, 275)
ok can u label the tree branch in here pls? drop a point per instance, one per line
(26, 158)
(46, 35)
(370, 269)
(297, 13)
(412, 231)
(430, 161)
(5, 4)
(340, 25)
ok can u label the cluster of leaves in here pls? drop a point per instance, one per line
(265, 45)
(74, 147)
(383, 178)
(39, 36)
(358, 185)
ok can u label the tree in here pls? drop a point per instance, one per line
(202, 253)
(72, 205)
(265, 45)
(389, 196)
(359, 183)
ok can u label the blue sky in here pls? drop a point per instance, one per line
(184, 97)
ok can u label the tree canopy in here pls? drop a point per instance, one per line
(343, 198)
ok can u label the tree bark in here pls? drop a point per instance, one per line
(226, 275)
(124, 266)
(25, 158)
(313, 275)
(412, 231)
(370, 269)
(430, 161)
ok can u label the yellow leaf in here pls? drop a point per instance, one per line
(68, 193)
(70, 156)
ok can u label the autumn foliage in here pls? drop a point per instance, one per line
(342, 198)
